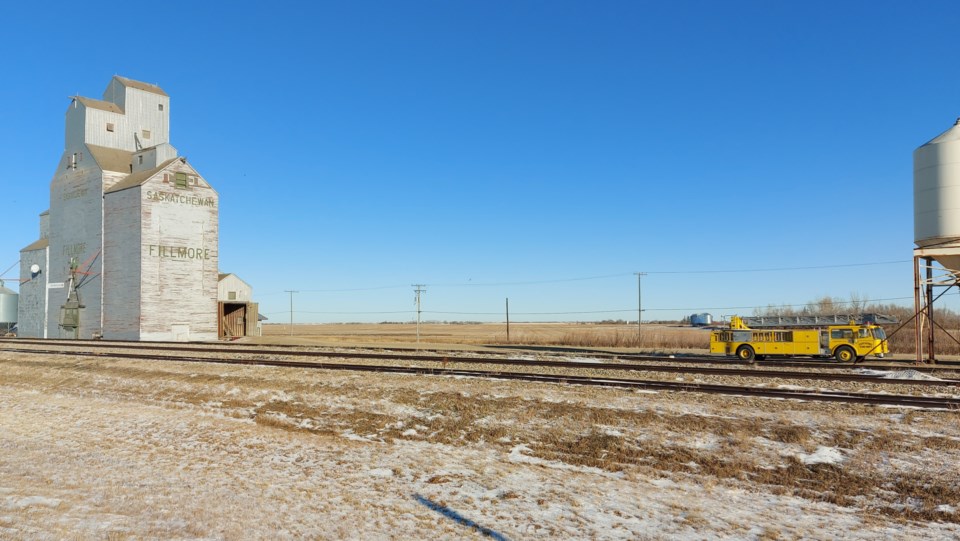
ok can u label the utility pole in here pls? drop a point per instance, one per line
(639, 307)
(418, 289)
(291, 308)
(508, 320)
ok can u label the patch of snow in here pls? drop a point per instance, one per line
(352, 436)
(912, 374)
(409, 432)
(705, 444)
(166, 470)
(517, 457)
(280, 396)
(586, 360)
(22, 503)
(663, 483)
(908, 374)
(823, 455)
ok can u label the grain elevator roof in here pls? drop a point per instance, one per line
(139, 177)
(147, 87)
(99, 104)
(111, 159)
(38, 245)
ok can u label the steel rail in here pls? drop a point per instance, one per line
(951, 403)
(291, 349)
(742, 372)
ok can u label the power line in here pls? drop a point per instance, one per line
(532, 313)
(587, 312)
(696, 271)
(376, 288)
(779, 269)
(530, 282)
(339, 313)
(604, 277)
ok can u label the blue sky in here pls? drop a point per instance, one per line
(743, 154)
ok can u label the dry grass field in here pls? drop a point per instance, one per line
(127, 449)
(653, 337)
(95, 448)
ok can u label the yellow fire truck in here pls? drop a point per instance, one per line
(845, 338)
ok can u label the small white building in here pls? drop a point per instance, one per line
(238, 314)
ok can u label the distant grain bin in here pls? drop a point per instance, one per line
(936, 196)
(8, 309)
(701, 320)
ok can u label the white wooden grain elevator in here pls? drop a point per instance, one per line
(128, 249)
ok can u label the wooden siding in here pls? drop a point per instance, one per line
(32, 294)
(144, 278)
(75, 232)
(178, 254)
(121, 262)
(238, 319)
(253, 321)
(232, 283)
(45, 225)
(233, 320)
(141, 111)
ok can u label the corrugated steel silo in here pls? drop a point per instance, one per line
(8, 307)
(936, 195)
(701, 320)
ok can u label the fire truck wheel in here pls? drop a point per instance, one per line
(746, 353)
(845, 354)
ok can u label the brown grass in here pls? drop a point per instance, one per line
(593, 335)
(468, 420)
(618, 440)
(652, 337)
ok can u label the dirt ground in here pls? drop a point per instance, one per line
(126, 449)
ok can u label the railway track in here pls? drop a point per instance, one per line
(938, 402)
(655, 364)
(949, 368)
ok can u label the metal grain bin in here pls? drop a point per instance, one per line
(936, 189)
(8, 307)
(936, 196)
(701, 320)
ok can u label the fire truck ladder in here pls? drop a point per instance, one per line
(758, 322)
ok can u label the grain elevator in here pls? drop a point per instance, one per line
(128, 249)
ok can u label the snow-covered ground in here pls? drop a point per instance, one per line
(99, 449)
